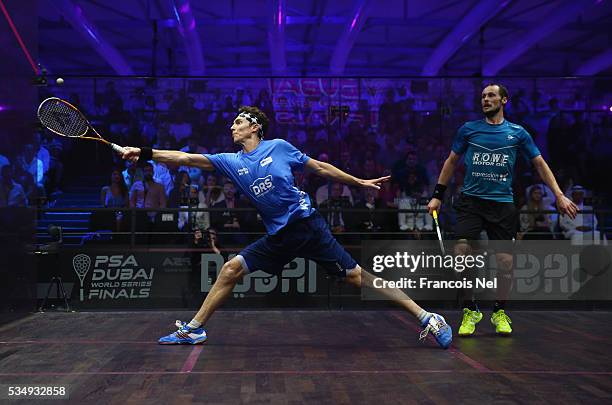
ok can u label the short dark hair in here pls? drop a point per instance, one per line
(503, 91)
(262, 119)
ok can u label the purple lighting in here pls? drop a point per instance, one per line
(458, 36)
(566, 12)
(3, 108)
(186, 24)
(276, 37)
(361, 11)
(78, 20)
(354, 22)
(596, 64)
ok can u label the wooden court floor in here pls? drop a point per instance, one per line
(309, 357)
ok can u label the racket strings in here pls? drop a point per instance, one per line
(61, 118)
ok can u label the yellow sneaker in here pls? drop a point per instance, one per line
(502, 322)
(468, 324)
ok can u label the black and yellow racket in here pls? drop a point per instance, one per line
(434, 214)
(62, 118)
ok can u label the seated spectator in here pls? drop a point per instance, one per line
(322, 193)
(137, 192)
(182, 102)
(30, 163)
(55, 175)
(131, 173)
(313, 146)
(391, 151)
(582, 229)
(184, 195)
(4, 161)
(180, 129)
(110, 98)
(148, 121)
(347, 163)
(202, 218)
(548, 197)
(389, 192)
(41, 152)
(336, 202)
(241, 97)
(264, 102)
(166, 100)
(114, 195)
(12, 194)
(180, 191)
(410, 164)
(535, 225)
(161, 175)
(211, 193)
(147, 193)
(135, 102)
(414, 198)
(373, 220)
(370, 169)
(230, 221)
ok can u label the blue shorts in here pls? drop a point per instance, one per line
(309, 238)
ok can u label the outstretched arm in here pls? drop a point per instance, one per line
(331, 172)
(564, 204)
(171, 156)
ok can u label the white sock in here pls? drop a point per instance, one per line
(194, 324)
(423, 315)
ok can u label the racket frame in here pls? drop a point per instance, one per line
(98, 137)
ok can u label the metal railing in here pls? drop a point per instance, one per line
(132, 226)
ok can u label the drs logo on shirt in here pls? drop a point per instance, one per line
(262, 185)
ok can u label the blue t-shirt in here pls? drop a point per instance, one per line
(264, 175)
(490, 155)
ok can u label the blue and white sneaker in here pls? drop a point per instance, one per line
(184, 335)
(436, 324)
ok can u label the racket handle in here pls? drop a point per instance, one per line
(435, 214)
(117, 148)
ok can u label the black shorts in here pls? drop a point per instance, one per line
(475, 214)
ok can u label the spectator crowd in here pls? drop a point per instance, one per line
(392, 137)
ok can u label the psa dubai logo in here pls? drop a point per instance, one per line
(113, 277)
(261, 186)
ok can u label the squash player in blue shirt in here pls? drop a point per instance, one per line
(491, 147)
(262, 170)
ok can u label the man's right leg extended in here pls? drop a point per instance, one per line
(192, 332)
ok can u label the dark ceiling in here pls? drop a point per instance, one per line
(321, 37)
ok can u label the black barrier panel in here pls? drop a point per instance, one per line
(120, 279)
(299, 285)
(538, 271)
(542, 271)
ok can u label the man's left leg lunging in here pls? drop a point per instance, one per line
(432, 322)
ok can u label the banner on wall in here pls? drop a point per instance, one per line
(140, 279)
